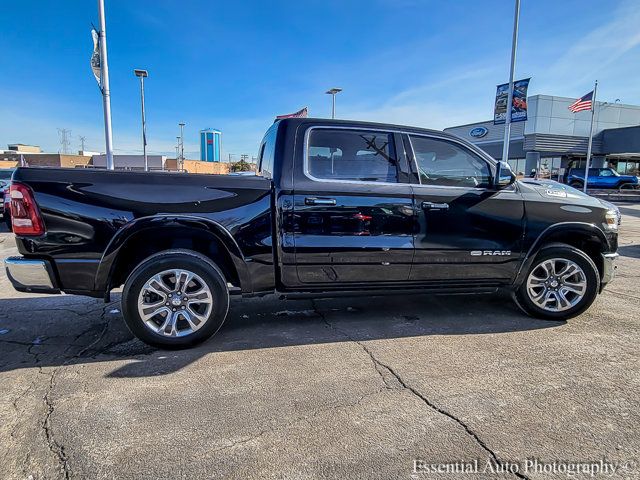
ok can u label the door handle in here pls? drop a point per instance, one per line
(319, 201)
(435, 206)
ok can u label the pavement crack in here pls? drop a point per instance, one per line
(385, 371)
(622, 294)
(17, 342)
(57, 448)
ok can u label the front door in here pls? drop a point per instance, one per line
(353, 213)
(468, 233)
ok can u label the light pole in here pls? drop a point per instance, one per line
(178, 153)
(182, 124)
(104, 85)
(333, 92)
(507, 118)
(142, 74)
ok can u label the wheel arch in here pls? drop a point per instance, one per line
(148, 235)
(586, 237)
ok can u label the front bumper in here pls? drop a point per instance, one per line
(608, 268)
(27, 275)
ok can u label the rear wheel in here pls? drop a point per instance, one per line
(576, 184)
(561, 283)
(175, 299)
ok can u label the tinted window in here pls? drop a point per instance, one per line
(267, 152)
(361, 155)
(445, 163)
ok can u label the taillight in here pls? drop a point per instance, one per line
(25, 215)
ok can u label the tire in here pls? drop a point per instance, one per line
(576, 184)
(152, 290)
(558, 292)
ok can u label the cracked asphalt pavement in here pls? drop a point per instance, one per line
(349, 388)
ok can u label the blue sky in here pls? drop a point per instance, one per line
(234, 65)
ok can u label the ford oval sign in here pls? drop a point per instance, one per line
(478, 132)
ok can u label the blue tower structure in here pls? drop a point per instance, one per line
(210, 142)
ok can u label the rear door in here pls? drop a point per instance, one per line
(468, 232)
(353, 213)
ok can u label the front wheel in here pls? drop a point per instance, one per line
(561, 283)
(175, 299)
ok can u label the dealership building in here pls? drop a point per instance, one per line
(555, 138)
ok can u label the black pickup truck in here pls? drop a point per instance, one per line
(337, 208)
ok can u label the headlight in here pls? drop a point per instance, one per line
(611, 220)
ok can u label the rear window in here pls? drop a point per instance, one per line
(266, 153)
(355, 155)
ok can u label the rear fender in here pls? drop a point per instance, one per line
(108, 261)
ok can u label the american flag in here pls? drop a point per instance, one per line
(299, 114)
(583, 103)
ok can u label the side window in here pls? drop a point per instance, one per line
(267, 152)
(261, 156)
(445, 163)
(605, 172)
(360, 155)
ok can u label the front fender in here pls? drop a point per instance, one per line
(107, 262)
(564, 228)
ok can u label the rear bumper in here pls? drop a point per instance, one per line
(27, 275)
(608, 268)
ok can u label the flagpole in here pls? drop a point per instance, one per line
(106, 94)
(588, 160)
(507, 120)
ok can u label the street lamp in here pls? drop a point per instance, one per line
(178, 153)
(182, 124)
(333, 92)
(142, 74)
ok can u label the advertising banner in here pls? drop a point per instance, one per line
(519, 106)
(95, 58)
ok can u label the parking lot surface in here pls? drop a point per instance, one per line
(347, 389)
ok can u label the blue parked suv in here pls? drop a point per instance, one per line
(601, 178)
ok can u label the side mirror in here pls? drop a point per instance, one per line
(504, 176)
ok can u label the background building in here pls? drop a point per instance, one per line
(198, 166)
(131, 162)
(13, 159)
(210, 143)
(556, 138)
(22, 148)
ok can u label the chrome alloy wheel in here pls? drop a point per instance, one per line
(556, 284)
(175, 303)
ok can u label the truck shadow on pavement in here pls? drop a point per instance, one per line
(632, 251)
(633, 212)
(66, 330)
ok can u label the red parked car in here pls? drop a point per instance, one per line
(5, 182)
